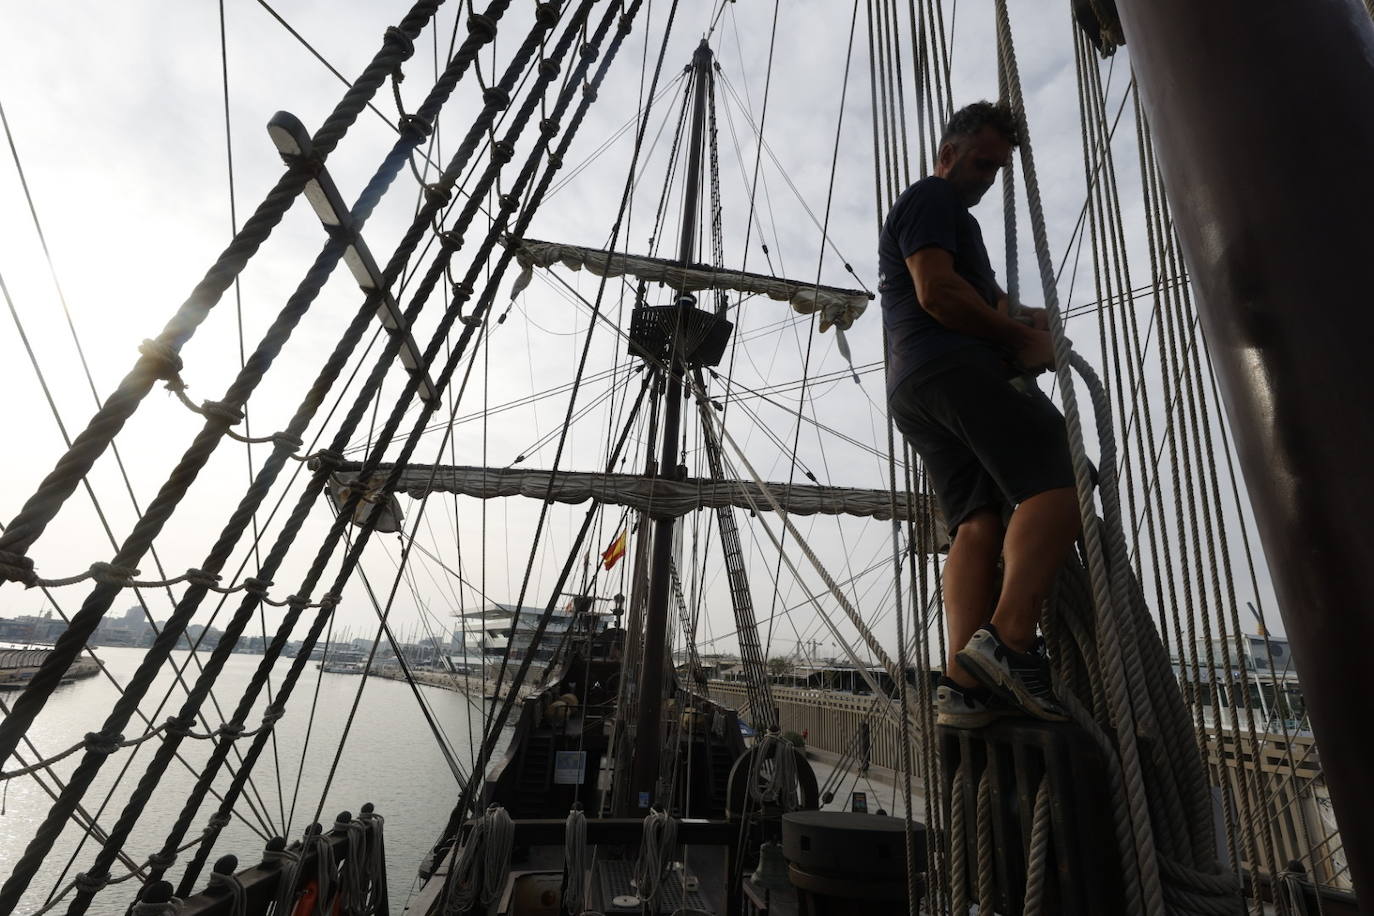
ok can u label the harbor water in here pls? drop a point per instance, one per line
(390, 757)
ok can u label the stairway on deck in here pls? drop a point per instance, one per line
(536, 768)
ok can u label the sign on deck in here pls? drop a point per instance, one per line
(569, 767)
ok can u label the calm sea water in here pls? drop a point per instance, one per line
(390, 758)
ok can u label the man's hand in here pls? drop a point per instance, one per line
(1036, 351)
(1039, 318)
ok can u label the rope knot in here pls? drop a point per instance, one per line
(416, 126)
(165, 362)
(284, 440)
(462, 292)
(229, 730)
(549, 127)
(482, 27)
(496, 97)
(197, 576)
(437, 195)
(179, 725)
(218, 821)
(548, 68)
(451, 240)
(331, 599)
(255, 586)
(162, 860)
(509, 202)
(546, 14)
(589, 52)
(589, 91)
(502, 152)
(15, 567)
(223, 411)
(326, 459)
(311, 165)
(112, 574)
(272, 713)
(556, 163)
(298, 602)
(399, 42)
(101, 743)
(91, 882)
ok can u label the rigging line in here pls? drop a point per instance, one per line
(749, 392)
(483, 339)
(81, 817)
(844, 437)
(752, 216)
(177, 672)
(492, 719)
(523, 401)
(810, 599)
(85, 366)
(535, 447)
(435, 730)
(606, 144)
(243, 355)
(787, 178)
(309, 728)
(440, 735)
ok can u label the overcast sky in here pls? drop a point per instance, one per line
(117, 114)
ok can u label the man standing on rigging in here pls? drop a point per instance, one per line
(989, 438)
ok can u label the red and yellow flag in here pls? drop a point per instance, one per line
(613, 553)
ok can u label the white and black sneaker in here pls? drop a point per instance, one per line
(1020, 678)
(967, 707)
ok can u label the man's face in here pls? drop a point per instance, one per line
(972, 164)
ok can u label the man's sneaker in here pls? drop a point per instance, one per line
(967, 707)
(1021, 678)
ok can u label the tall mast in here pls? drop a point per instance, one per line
(647, 738)
(1259, 111)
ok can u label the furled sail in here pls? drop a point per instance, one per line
(838, 307)
(659, 497)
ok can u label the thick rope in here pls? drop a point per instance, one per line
(983, 830)
(509, 202)
(1038, 851)
(1125, 635)
(159, 358)
(773, 773)
(958, 843)
(655, 854)
(576, 860)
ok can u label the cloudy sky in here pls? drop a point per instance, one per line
(117, 114)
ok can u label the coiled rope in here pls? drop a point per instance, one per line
(775, 784)
(483, 862)
(655, 853)
(575, 860)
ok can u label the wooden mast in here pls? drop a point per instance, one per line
(647, 737)
(1260, 114)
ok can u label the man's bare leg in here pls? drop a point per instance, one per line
(1042, 530)
(970, 577)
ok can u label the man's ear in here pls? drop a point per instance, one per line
(947, 154)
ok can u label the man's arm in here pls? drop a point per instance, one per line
(954, 303)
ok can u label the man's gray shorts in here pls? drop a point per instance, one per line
(986, 442)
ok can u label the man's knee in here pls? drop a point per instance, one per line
(981, 531)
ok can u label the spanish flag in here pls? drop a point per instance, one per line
(613, 553)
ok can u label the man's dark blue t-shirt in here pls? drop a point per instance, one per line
(928, 213)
